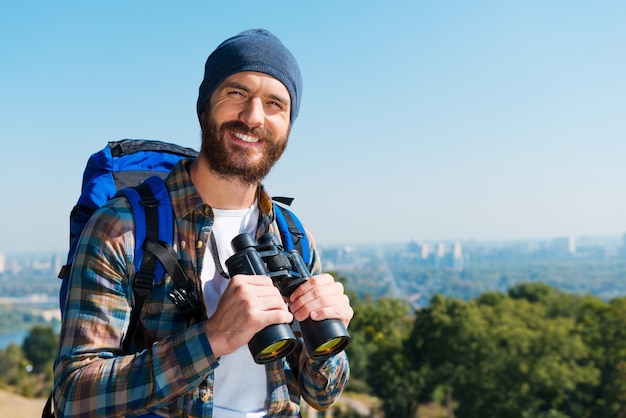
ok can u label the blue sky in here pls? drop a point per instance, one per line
(420, 120)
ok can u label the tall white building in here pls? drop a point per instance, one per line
(564, 246)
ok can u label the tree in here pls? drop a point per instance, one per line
(13, 365)
(40, 347)
(501, 357)
(603, 327)
(379, 329)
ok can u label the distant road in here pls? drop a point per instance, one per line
(394, 290)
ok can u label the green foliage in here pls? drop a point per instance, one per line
(532, 292)
(40, 347)
(501, 356)
(13, 366)
(378, 331)
(27, 370)
(394, 381)
(603, 328)
(21, 317)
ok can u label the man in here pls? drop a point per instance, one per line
(247, 102)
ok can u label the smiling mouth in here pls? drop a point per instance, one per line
(245, 138)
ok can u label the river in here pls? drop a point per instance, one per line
(13, 337)
(17, 337)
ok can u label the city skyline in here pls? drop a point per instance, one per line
(445, 120)
(613, 242)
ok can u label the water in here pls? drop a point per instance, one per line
(17, 337)
(14, 337)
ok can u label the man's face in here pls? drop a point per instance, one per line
(245, 126)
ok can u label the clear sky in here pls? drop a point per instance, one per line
(420, 120)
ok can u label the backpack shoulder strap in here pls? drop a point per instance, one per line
(152, 209)
(154, 218)
(292, 232)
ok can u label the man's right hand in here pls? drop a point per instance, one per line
(249, 304)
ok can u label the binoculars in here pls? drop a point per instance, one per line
(287, 270)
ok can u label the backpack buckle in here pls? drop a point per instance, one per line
(149, 202)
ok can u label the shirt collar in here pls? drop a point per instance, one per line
(186, 199)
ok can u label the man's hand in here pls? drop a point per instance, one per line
(249, 304)
(321, 297)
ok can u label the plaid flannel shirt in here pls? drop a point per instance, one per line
(173, 359)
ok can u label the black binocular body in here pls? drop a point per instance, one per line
(287, 270)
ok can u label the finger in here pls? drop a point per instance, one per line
(340, 312)
(258, 280)
(257, 285)
(312, 282)
(255, 297)
(311, 293)
(321, 307)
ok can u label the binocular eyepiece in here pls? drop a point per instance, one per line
(287, 270)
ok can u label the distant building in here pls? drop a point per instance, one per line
(441, 250)
(621, 252)
(563, 247)
(56, 264)
(3, 263)
(442, 254)
(39, 265)
(458, 261)
(344, 257)
(419, 250)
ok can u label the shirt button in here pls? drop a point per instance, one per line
(203, 394)
(207, 211)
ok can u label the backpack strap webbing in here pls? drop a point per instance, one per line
(144, 209)
(184, 295)
(48, 411)
(292, 233)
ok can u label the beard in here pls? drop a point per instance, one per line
(238, 162)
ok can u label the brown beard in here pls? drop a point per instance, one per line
(236, 164)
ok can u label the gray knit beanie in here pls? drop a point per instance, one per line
(252, 50)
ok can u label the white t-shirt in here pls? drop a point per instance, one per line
(241, 385)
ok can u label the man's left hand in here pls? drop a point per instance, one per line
(321, 297)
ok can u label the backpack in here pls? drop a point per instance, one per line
(119, 165)
(136, 169)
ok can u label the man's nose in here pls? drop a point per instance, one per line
(252, 113)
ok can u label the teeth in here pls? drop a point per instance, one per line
(246, 138)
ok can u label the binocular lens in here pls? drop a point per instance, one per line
(330, 348)
(275, 351)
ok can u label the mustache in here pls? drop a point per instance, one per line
(258, 131)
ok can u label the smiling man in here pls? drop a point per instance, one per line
(248, 100)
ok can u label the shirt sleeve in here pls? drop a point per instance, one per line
(322, 382)
(92, 375)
